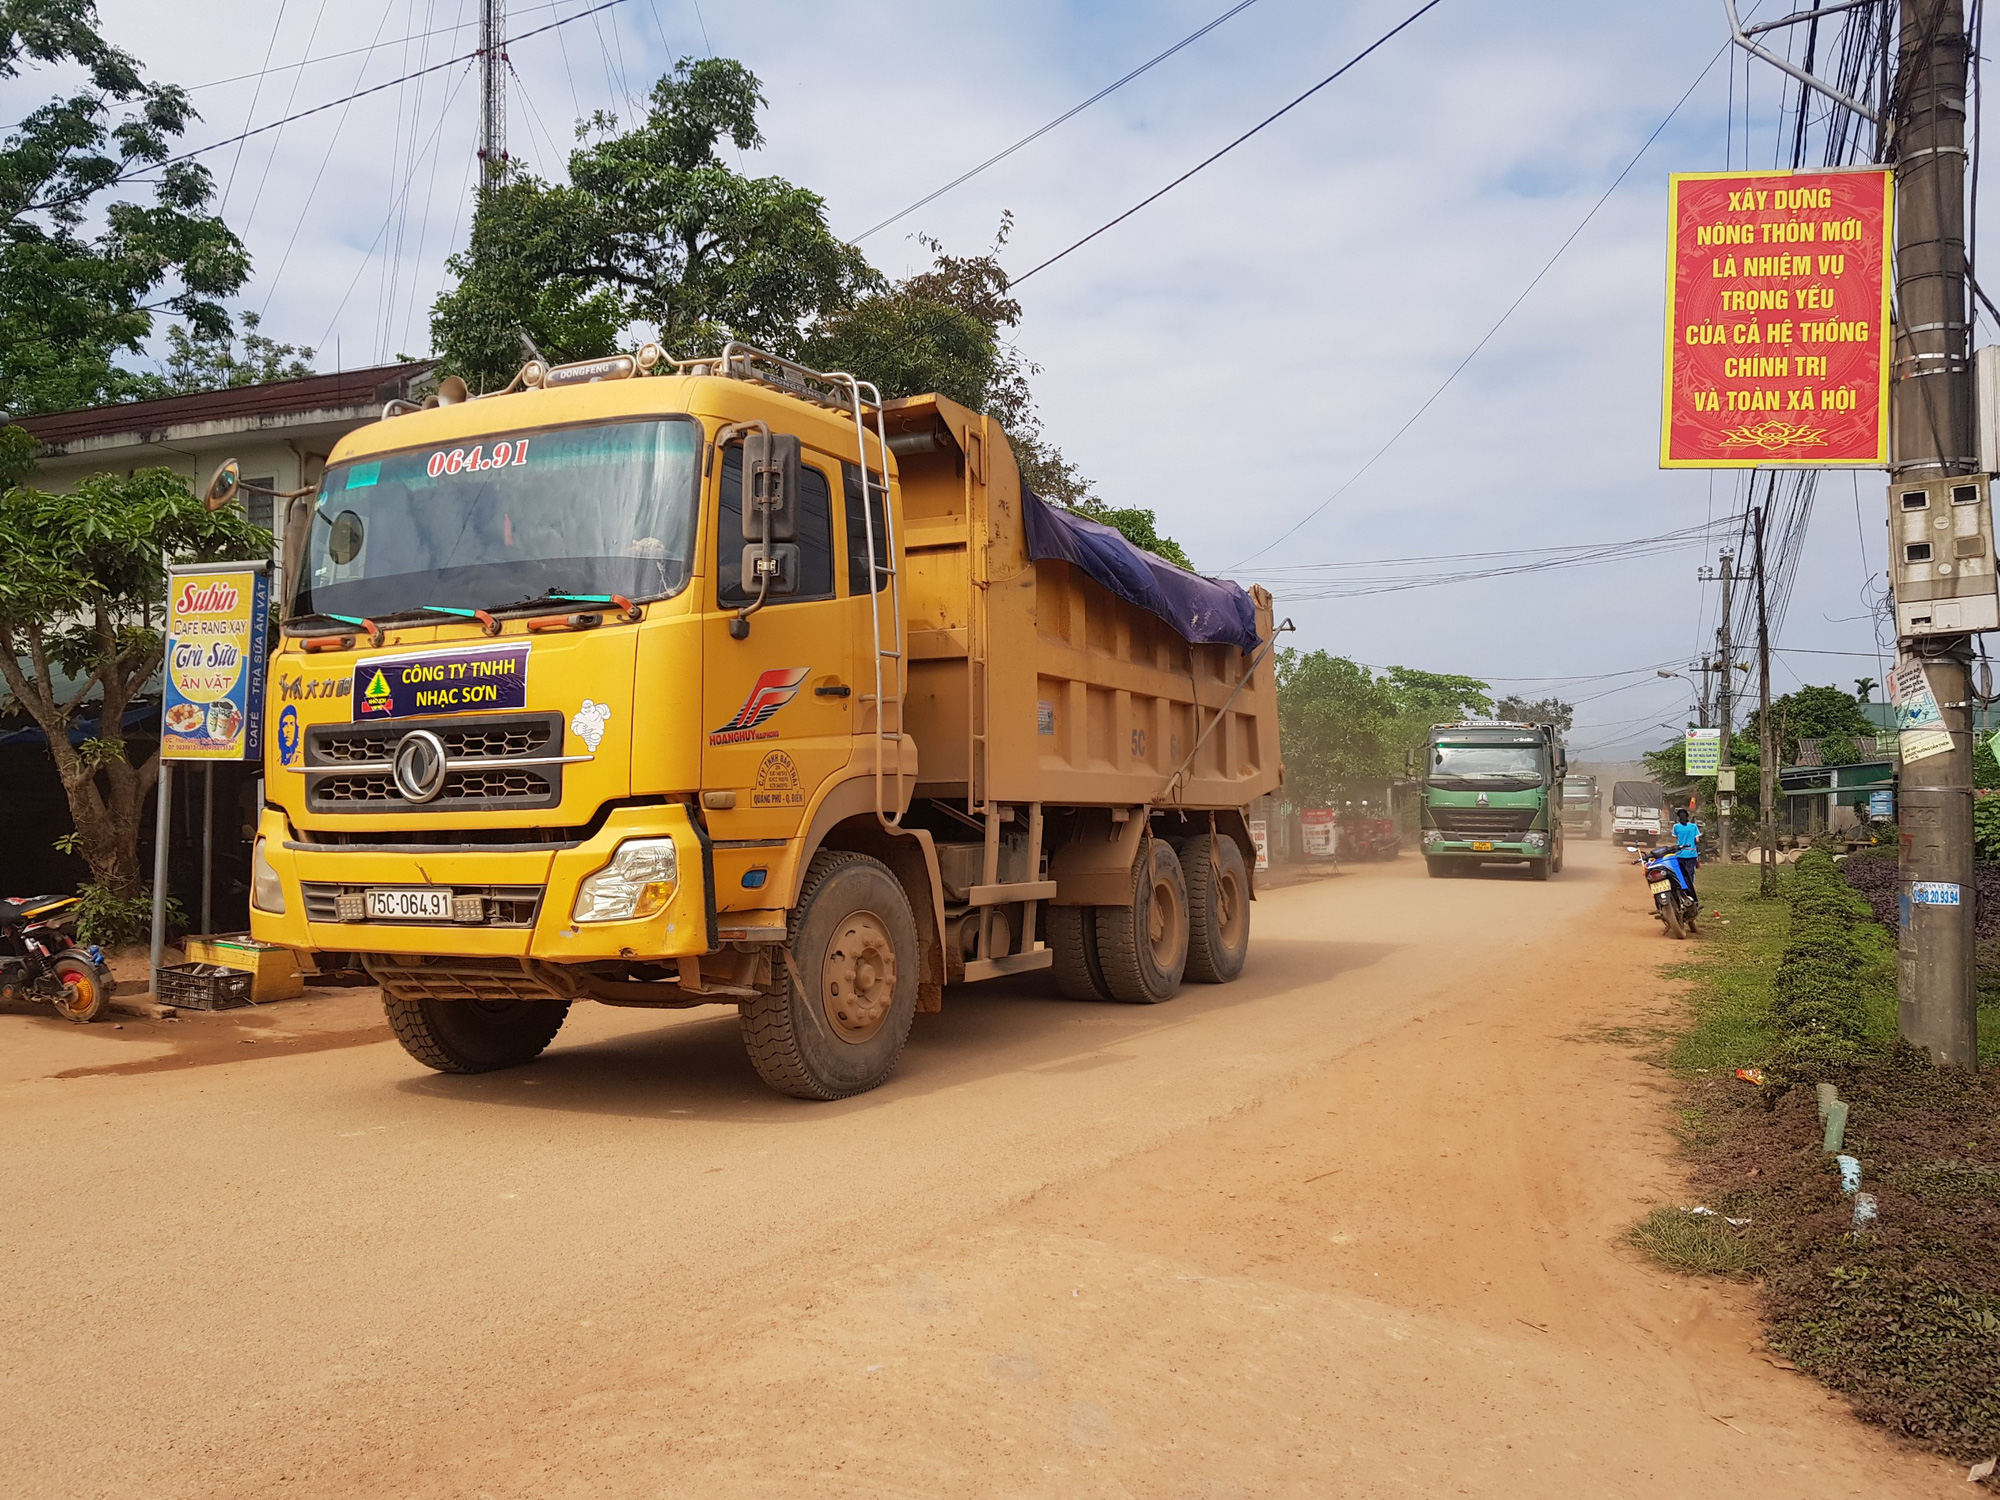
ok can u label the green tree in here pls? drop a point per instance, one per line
(652, 228)
(1812, 713)
(82, 270)
(80, 598)
(196, 362)
(1539, 711)
(1336, 725)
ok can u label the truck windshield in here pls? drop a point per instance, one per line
(1517, 766)
(604, 509)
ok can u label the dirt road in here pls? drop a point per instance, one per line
(1347, 1227)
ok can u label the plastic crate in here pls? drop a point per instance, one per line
(202, 986)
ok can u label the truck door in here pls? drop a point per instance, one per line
(776, 723)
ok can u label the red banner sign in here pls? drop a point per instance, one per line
(1777, 320)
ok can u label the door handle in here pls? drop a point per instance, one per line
(838, 690)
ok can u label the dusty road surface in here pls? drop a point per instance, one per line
(1347, 1227)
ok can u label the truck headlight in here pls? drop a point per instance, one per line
(1433, 836)
(1534, 840)
(267, 891)
(638, 882)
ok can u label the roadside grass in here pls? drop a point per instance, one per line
(1903, 1317)
(1695, 1244)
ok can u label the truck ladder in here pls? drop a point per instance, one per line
(888, 695)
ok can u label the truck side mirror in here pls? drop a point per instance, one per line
(770, 485)
(781, 566)
(1409, 765)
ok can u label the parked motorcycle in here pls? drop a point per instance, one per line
(1672, 889)
(40, 958)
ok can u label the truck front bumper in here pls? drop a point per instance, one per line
(527, 895)
(1483, 849)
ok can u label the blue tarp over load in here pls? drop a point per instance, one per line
(1202, 610)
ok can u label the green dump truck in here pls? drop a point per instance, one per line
(1583, 807)
(1493, 793)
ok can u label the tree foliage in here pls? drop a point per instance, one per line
(1341, 725)
(81, 599)
(83, 271)
(652, 227)
(1537, 711)
(197, 362)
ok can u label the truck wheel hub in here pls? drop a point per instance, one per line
(858, 978)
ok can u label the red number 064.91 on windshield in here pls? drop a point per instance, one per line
(474, 460)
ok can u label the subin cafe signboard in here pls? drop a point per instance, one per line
(213, 704)
(1777, 320)
(1704, 752)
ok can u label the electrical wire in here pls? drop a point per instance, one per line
(140, 172)
(1512, 307)
(1405, 23)
(1069, 114)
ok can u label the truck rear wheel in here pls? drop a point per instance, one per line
(1072, 936)
(474, 1036)
(1143, 947)
(1218, 890)
(837, 1014)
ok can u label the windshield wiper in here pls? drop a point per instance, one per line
(562, 596)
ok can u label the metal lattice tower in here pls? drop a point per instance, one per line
(492, 92)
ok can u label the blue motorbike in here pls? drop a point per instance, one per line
(1672, 888)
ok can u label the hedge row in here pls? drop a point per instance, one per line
(1816, 994)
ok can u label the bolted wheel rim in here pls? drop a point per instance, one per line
(857, 982)
(78, 997)
(1166, 925)
(1232, 909)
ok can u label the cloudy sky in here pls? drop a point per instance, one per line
(1234, 355)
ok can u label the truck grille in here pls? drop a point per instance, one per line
(1483, 821)
(472, 905)
(330, 749)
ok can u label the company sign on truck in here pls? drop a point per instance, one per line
(1777, 320)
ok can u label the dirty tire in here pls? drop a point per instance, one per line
(474, 1036)
(1072, 938)
(1437, 869)
(1670, 914)
(84, 996)
(1557, 856)
(1218, 890)
(1540, 868)
(800, 1038)
(1143, 946)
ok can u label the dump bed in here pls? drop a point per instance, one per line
(1031, 682)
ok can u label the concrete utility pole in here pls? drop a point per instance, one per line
(1724, 800)
(492, 92)
(1767, 742)
(1931, 434)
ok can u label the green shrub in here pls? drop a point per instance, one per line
(1816, 1001)
(113, 921)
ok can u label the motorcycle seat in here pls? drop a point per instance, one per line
(15, 909)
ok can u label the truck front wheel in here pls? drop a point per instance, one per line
(837, 1014)
(1144, 946)
(474, 1036)
(1218, 888)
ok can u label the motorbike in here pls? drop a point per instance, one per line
(1672, 889)
(40, 958)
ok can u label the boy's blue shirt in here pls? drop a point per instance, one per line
(1686, 835)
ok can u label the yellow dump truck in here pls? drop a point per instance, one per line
(677, 683)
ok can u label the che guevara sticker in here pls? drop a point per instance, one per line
(485, 679)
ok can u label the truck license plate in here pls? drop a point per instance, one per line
(420, 904)
(1482, 848)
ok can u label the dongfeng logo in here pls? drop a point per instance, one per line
(419, 765)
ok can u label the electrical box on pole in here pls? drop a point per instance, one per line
(1941, 555)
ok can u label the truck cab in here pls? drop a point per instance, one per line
(1493, 792)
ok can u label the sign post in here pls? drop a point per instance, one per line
(212, 696)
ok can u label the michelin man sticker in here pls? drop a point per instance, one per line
(588, 725)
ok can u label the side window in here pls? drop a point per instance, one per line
(815, 538)
(857, 528)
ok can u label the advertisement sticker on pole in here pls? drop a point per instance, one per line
(212, 708)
